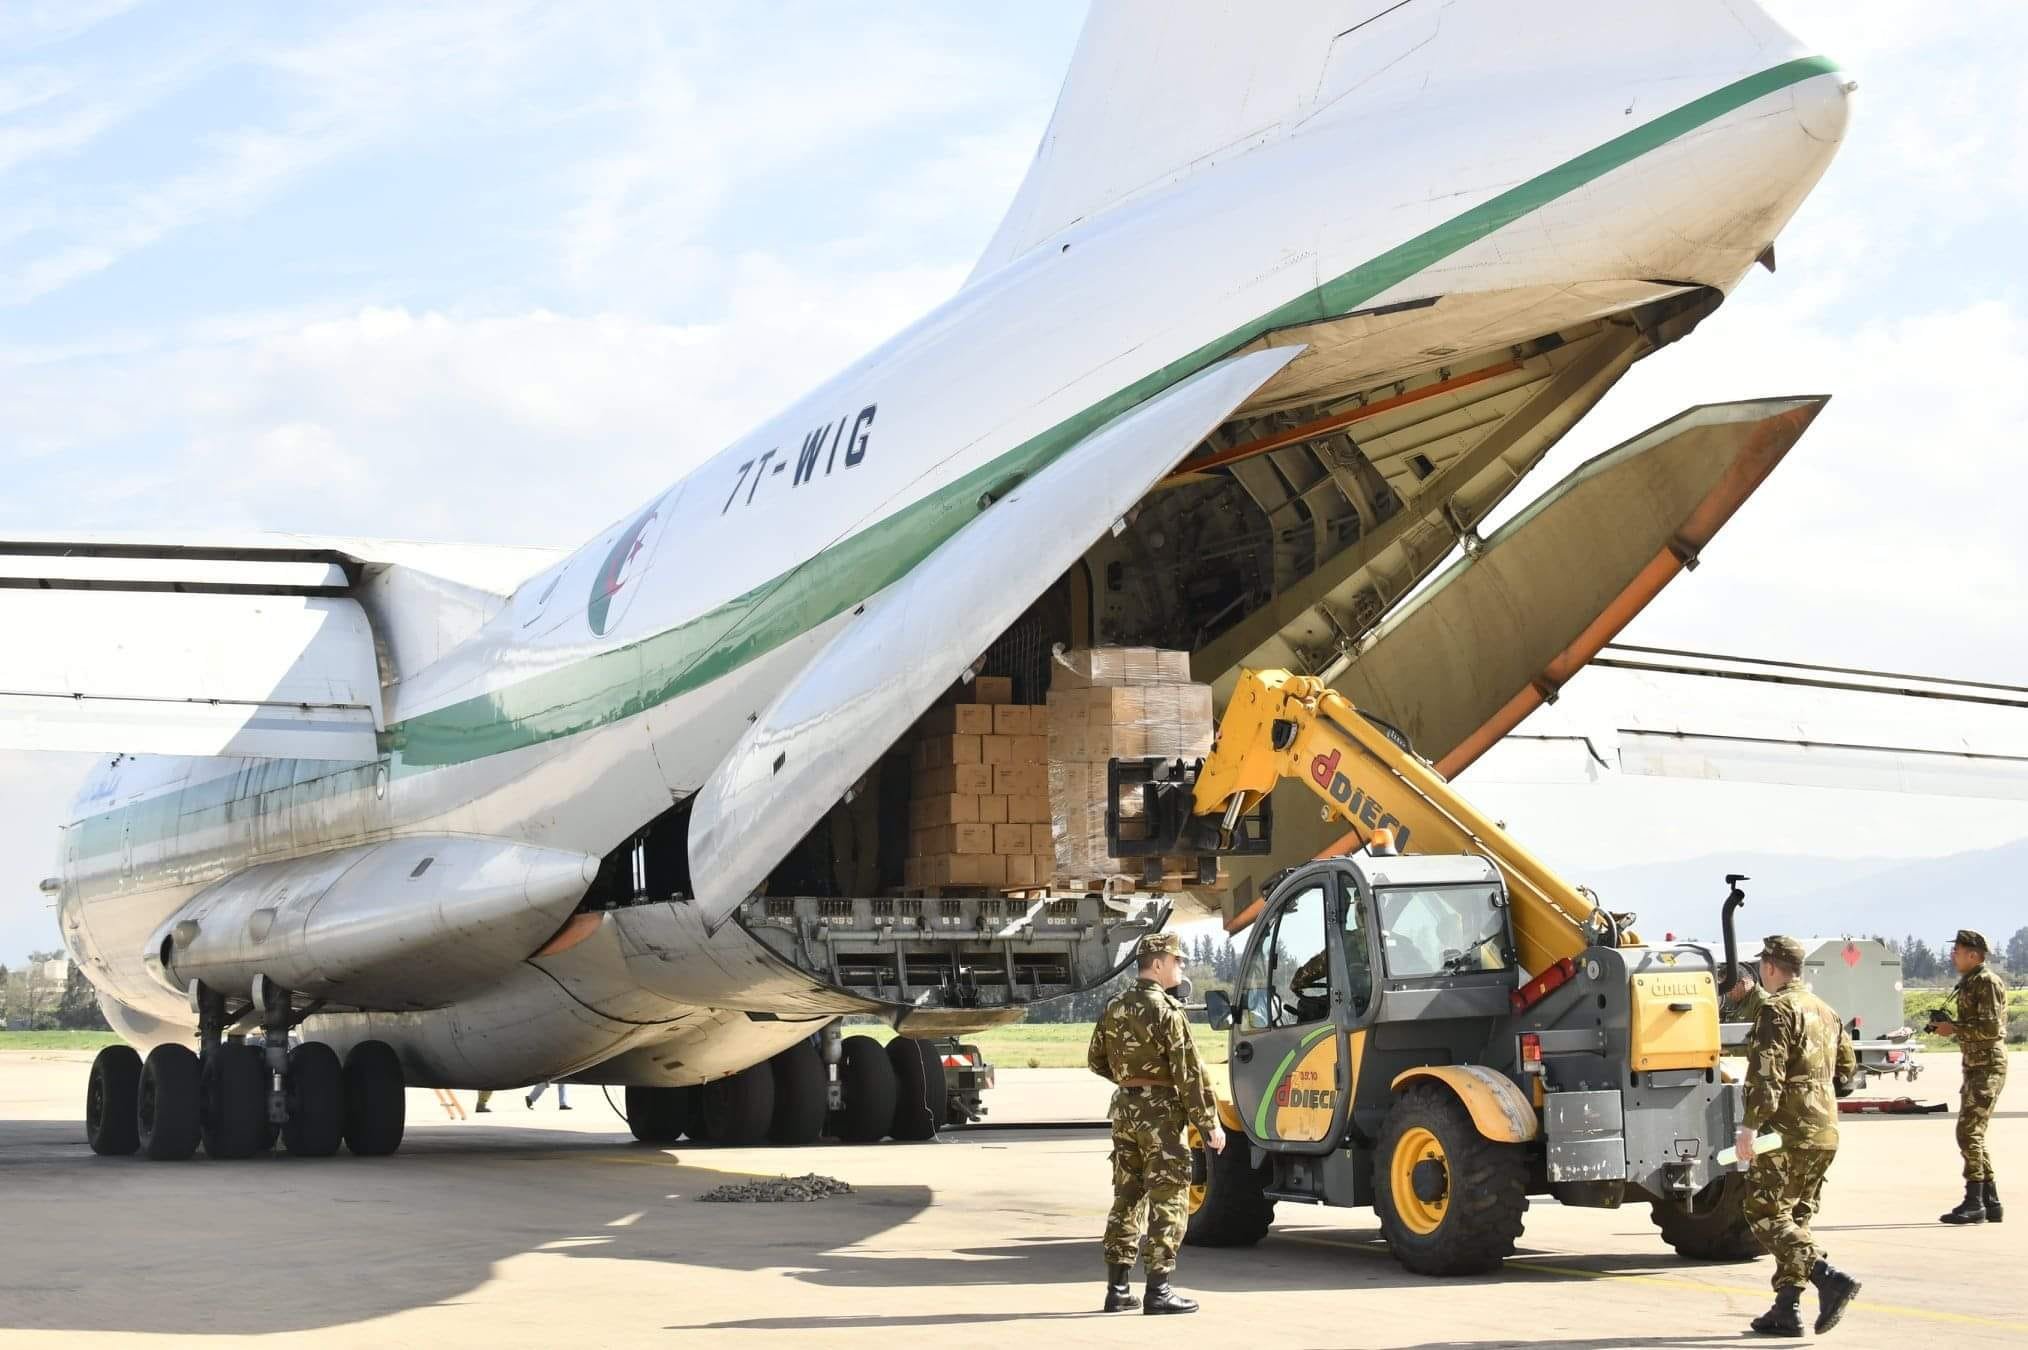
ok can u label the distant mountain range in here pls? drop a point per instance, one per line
(1828, 897)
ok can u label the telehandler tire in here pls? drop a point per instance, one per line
(1714, 1228)
(1450, 1200)
(1229, 1207)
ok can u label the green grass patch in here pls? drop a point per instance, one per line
(56, 1040)
(1049, 1045)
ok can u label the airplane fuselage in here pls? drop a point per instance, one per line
(612, 684)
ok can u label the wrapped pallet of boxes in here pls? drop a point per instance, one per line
(1109, 703)
(979, 804)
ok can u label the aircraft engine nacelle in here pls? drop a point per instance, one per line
(405, 923)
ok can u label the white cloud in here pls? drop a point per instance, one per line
(523, 428)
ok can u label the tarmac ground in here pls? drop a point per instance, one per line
(543, 1228)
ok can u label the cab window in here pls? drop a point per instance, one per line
(1288, 981)
(1444, 930)
(1358, 958)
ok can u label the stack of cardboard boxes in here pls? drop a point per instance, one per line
(979, 809)
(1110, 703)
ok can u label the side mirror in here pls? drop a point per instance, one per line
(1218, 1010)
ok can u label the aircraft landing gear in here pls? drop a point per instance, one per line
(238, 1099)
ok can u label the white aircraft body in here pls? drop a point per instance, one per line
(1288, 302)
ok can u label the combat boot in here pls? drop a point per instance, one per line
(1992, 1196)
(1162, 1299)
(1835, 1289)
(1972, 1209)
(1785, 1318)
(1119, 1293)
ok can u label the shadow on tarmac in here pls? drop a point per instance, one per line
(186, 1248)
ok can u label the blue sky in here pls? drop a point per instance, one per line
(496, 271)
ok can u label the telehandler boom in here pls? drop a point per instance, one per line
(1439, 1032)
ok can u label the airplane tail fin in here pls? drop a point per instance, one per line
(1158, 91)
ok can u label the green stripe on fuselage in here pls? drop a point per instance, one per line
(613, 685)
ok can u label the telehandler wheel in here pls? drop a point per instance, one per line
(1450, 1200)
(1713, 1226)
(1228, 1205)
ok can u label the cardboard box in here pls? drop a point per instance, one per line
(993, 810)
(952, 719)
(1031, 749)
(936, 752)
(1010, 719)
(1028, 809)
(996, 749)
(1066, 709)
(1023, 871)
(1011, 839)
(992, 689)
(957, 869)
(970, 837)
(953, 809)
(973, 780)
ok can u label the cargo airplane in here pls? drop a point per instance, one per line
(1291, 299)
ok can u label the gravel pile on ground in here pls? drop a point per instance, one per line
(762, 1191)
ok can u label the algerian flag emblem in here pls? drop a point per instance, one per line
(622, 566)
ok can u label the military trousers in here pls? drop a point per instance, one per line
(1783, 1192)
(1151, 1178)
(1985, 1075)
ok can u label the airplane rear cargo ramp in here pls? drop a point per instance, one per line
(1497, 634)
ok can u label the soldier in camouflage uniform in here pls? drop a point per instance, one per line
(1980, 1029)
(1790, 1059)
(1143, 1045)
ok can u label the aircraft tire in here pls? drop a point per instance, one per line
(235, 1102)
(1714, 1227)
(660, 1115)
(801, 1098)
(867, 1083)
(738, 1109)
(110, 1124)
(376, 1111)
(919, 1098)
(316, 1081)
(169, 1107)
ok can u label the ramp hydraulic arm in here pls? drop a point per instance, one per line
(1280, 725)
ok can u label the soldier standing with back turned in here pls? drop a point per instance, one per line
(1795, 1049)
(1980, 1030)
(1142, 1044)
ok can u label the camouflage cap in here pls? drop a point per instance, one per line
(1158, 944)
(1785, 950)
(1973, 940)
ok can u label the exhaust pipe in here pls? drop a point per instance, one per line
(1733, 900)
